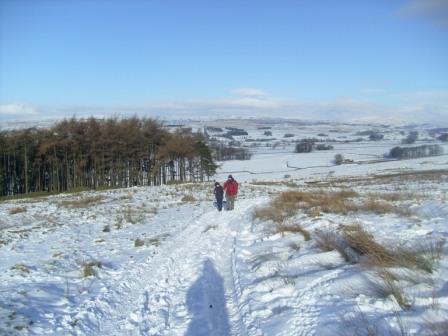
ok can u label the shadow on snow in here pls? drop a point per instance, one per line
(206, 302)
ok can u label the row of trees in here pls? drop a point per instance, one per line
(415, 152)
(100, 153)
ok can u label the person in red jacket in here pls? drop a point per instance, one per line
(231, 189)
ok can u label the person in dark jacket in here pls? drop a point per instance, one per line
(219, 194)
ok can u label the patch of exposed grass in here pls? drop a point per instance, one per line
(128, 196)
(289, 183)
(21, 268)
(188, 199)
(288, 203)
(89, 268)
(139, 242)
(420, 256)
(106, 228)
(17, 210)
(133, 216)
(83, 202)
(379, 207)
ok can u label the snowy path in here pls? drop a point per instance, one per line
(186, 288)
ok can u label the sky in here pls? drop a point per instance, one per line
(345, 60)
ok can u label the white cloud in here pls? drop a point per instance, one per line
(17, 110)
(251, 92)
(434, 10)
(418, 107)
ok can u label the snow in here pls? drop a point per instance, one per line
(163, 266)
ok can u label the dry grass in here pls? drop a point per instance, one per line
(133, 215)
(289, 184)
(424, 255)
(21, 268)
(288, 203)
(139, 242)
(83, 202)
(294, 228)
(88, 268)
(389, 286)
(365, 244)
(379, 207)
(421, 256)
(17, 210)
(188, 199)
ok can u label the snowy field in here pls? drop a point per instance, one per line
(163, 261)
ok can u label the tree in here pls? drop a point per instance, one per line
(411, 138)
(338, 159)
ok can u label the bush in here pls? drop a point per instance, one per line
(324, 147)
(411, 138)
(305, 146)
(443, 137)
(376, 137)
(267, 133)
(338, 159)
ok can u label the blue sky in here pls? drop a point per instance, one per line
(330, 59)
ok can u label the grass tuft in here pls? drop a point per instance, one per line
(83, 202)
(295, 228)
(139, 242)
(188, 199)
(88, 268)
(17, 210)
(365, 244)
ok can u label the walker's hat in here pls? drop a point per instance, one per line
(216, 183)
(230, 176)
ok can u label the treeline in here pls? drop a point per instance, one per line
(415, 152)
(222, 152)
(96, 153)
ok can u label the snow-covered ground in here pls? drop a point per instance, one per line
(163, 261)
